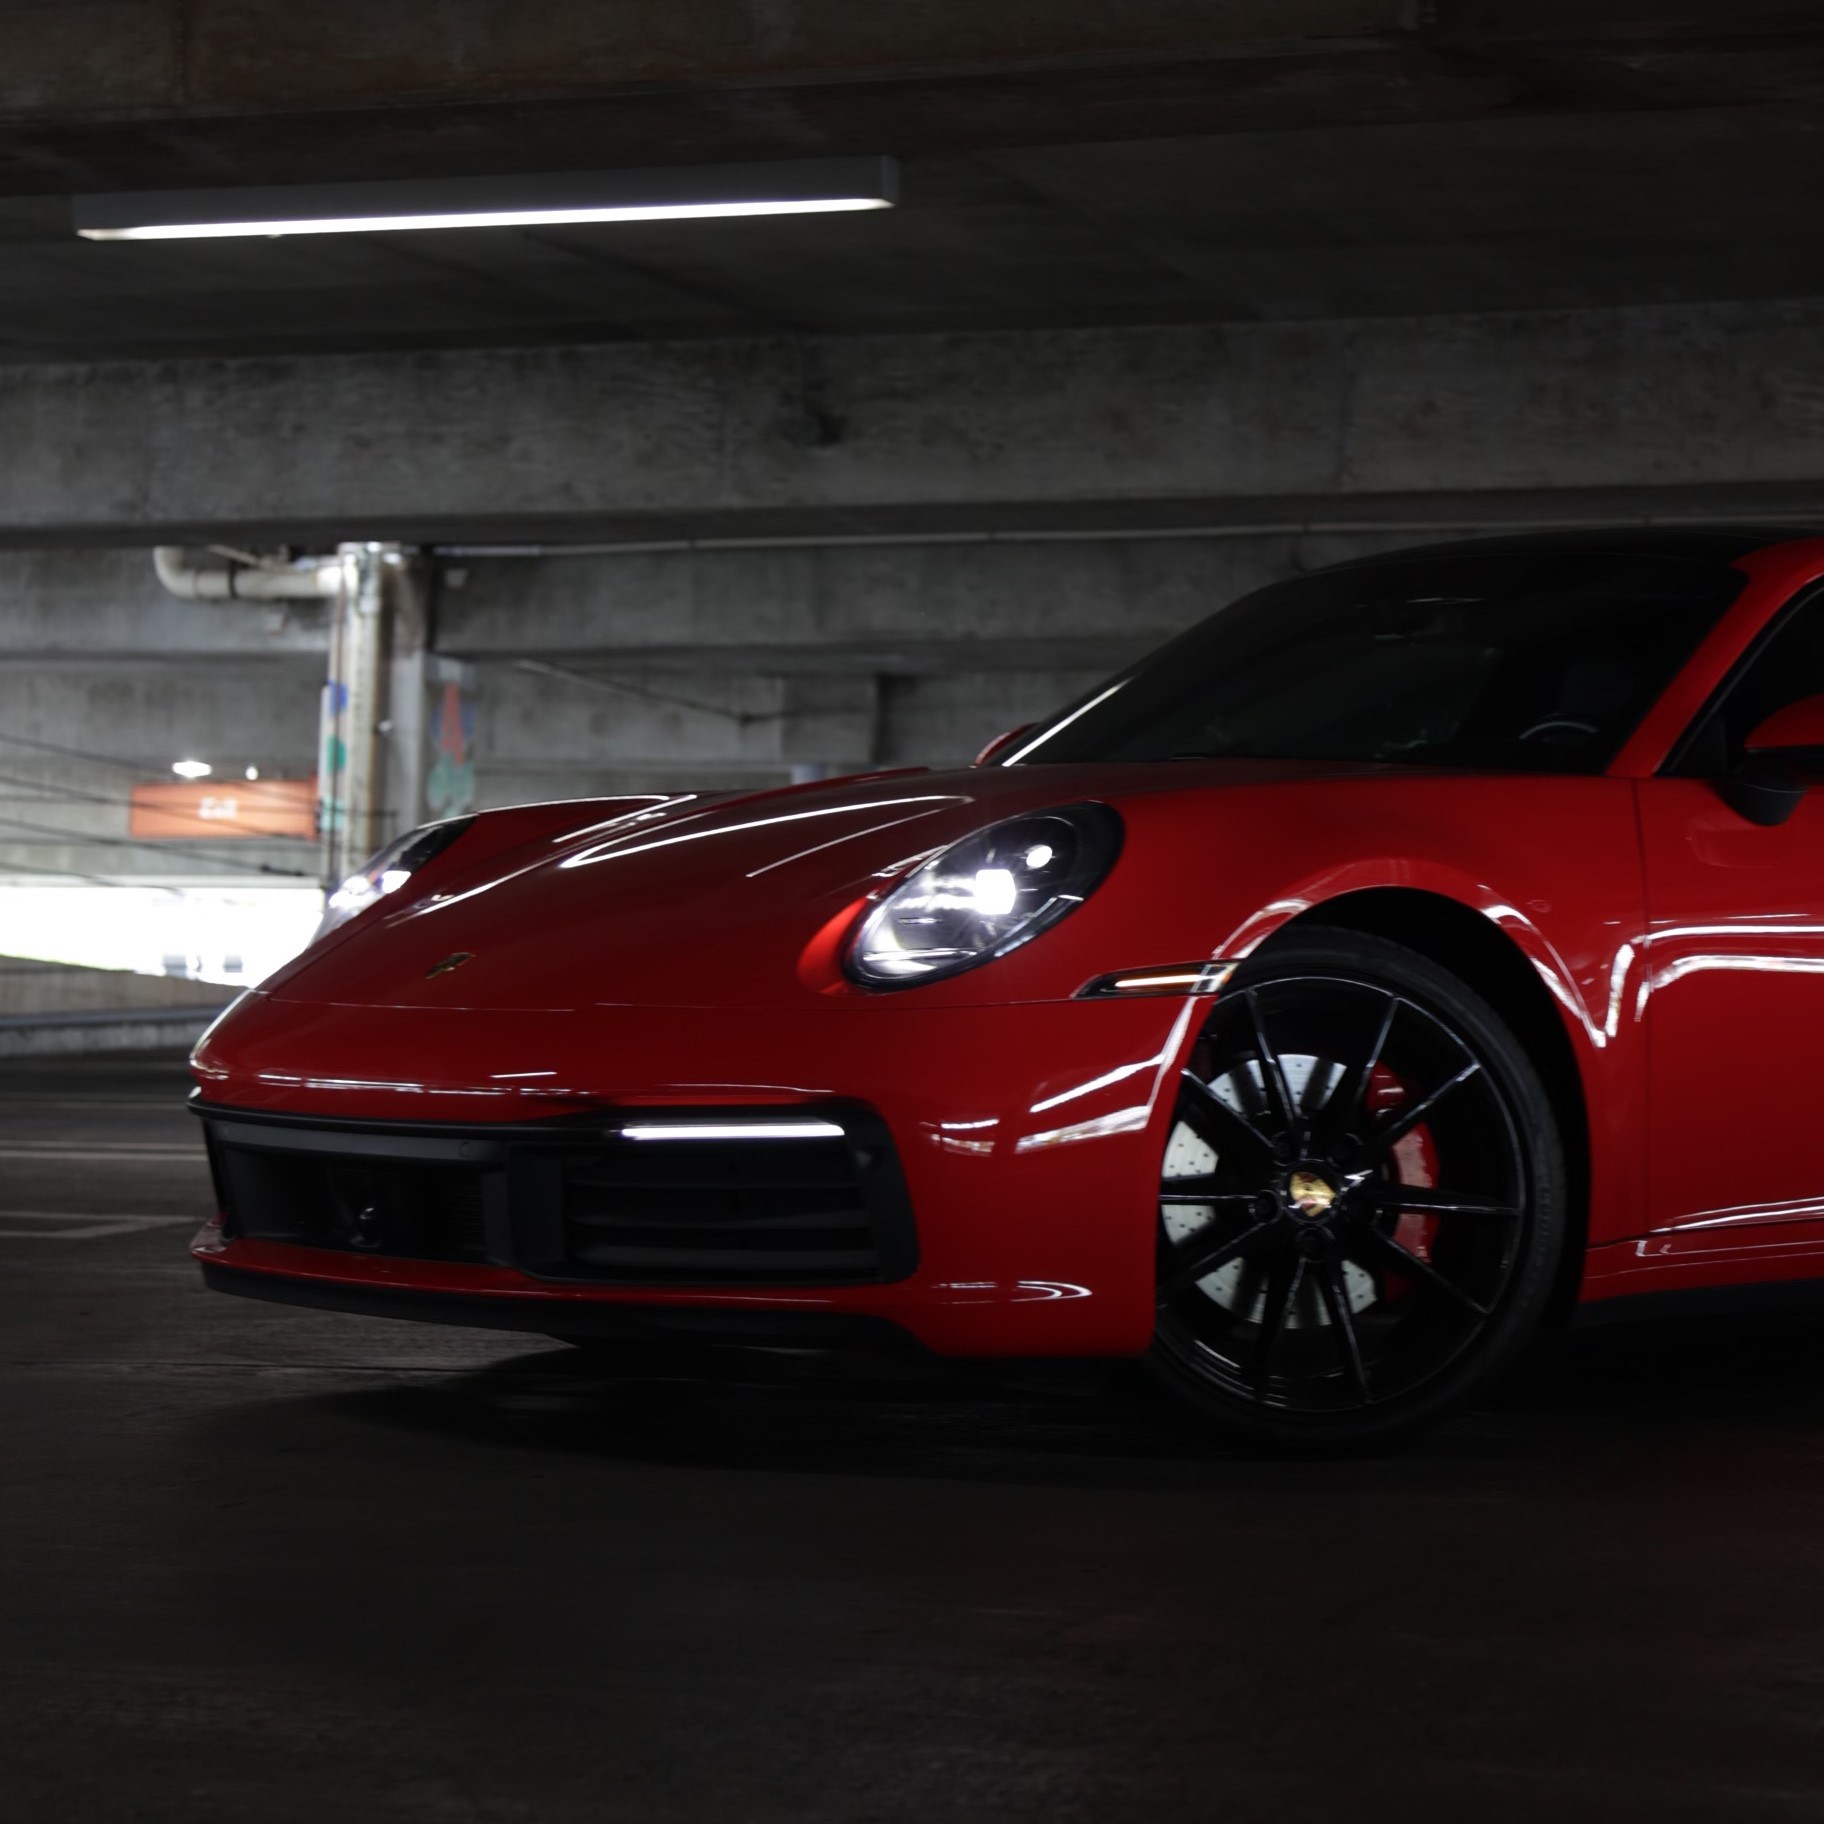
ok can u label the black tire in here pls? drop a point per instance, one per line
(1362, 1204)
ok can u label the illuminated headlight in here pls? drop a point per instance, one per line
(388, 871)
(985, 895)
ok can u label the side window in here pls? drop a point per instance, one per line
(1787, 665)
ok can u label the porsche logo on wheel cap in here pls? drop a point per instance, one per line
(454, 960)
(1311, 1195)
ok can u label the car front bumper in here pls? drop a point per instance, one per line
(1027, 1139)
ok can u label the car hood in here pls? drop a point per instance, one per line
(731, 902)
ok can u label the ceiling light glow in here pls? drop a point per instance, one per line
(493, 218)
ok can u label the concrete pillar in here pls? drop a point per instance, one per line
(350, 711)
(405, 596)
(374, 760)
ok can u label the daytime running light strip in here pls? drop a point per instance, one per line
(733, 1130)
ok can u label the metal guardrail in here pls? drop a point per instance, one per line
(199, 1016)
(103, 1029)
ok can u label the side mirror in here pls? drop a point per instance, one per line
(1000, 744)
(1769, 784)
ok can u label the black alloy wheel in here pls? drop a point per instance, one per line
(1362, 1201)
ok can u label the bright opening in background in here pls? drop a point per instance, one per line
(236, 935)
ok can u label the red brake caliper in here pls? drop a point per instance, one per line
(1415, 1161)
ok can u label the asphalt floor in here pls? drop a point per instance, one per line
(266, 1564)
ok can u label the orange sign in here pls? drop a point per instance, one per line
(202, 808)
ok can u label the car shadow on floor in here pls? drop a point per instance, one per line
(1659, 1388)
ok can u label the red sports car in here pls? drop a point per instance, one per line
(1415, 953)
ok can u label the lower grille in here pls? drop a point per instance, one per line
(789, 1209)
(420, 1212)
(779, 1202)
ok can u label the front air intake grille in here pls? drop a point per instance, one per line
(417, 1211)
(746, 1209)
(704, 1198)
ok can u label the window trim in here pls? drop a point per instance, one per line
(1745, 662)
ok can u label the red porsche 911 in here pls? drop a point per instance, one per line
(1415, 953)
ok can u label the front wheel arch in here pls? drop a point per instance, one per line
(1481, 955)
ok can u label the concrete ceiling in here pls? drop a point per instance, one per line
(1064, 164)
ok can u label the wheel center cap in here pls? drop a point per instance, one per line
(1310, 1195)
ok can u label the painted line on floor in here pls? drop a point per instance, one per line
(82, 1104)
(81, 1225)
(71, 1149)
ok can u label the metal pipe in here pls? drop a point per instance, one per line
(311, 579)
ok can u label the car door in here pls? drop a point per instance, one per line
(1734, 986)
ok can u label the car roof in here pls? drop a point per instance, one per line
(1723, 543)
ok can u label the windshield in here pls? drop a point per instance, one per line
(1529, 662)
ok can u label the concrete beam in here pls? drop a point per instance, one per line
(906, 608)
(538, 738)
(106, 94)
(530, 718)
(1277, 426)
(107, 605)
(136, 715)
(101, 57)
(932, 607)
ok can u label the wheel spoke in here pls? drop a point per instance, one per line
(1319, 1075)
(1278, 1090)
(1430, 1201)
(1350, 1097)
(1284, 1277)
(1421, 1111)
(1335, 1290)
(1403, 1260)
(1195, 1262)
(1204, 1101)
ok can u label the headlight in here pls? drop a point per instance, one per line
(985, 895)
(388, 871)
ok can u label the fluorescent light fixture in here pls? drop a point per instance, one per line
(809, 186)
(192, 769)
(734, 1130)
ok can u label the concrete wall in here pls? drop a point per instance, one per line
(30, 990)
(47, 1010)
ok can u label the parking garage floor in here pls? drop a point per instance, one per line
(263, 1563)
